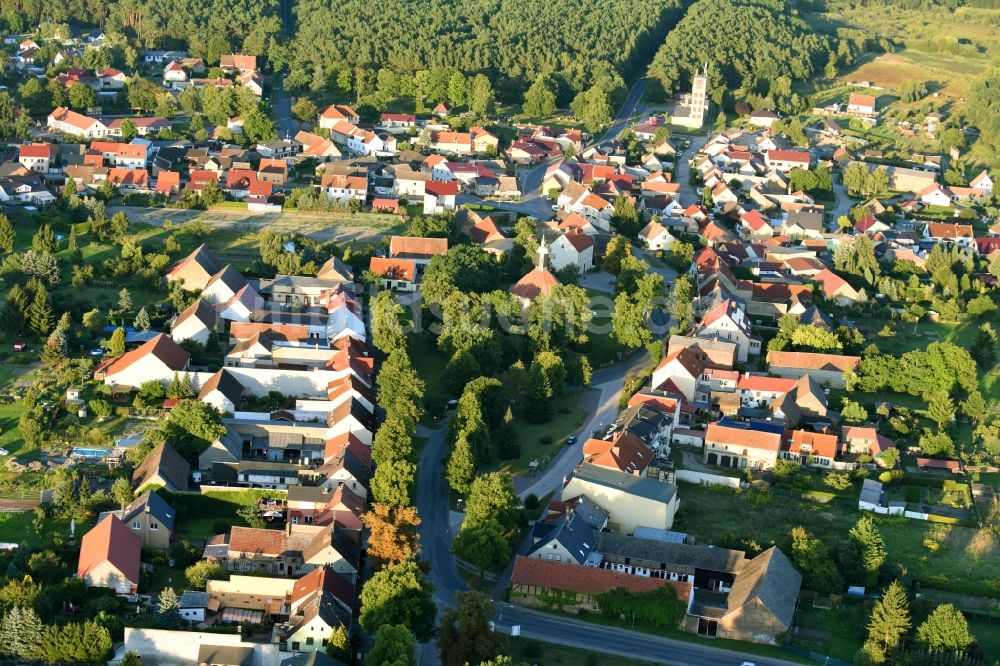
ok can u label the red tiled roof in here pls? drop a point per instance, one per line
(765, 384)
(788, 156)
(393, 269)
(168, 181)
(586, 580)
(418, 246)
(626, 453)
(37, 150)
(861, 100)
(812, 361)
(110, 541)
(162, 347)
(815, 443)
(580, 241)
(441, 189)
(754, 439)
(538, 281)
(950, 465)
(129, 176)
(259, 541)
(944, 230)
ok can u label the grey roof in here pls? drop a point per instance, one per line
(194, 599)
(676, 554)
(225, 655)
(225, 383)
(156, 505)
(313, 658)
(871, 492)
(771, 580)
(813, 316)
(656, 534)
(269, 467)
(232, 442)
(806, 219)
(634, 485)
(309, 494)
(572, 533)
(591, 514)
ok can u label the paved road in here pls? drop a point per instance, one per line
(609, 383)
(843, 205)
(688, 195)
(631, 644)
(629, 108)
(435, 527)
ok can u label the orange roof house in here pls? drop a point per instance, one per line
(109, 557)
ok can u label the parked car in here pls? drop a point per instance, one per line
(20, 345)
(451, 405)
(555, 206)
(97, 352)
(571, 440)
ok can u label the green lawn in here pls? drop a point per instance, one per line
(946, 557)
(845, 623)
(202, 516)
(17, 528)
(567, 419)
(987, 634)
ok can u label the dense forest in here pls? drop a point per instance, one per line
(511, 41)
(205, 27)
(753, 45)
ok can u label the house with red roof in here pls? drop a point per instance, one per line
(70, 122)
(397, 121)
(729, 321)
(835, 288)
(232, 62)
(943, 232)
(624, 452)
(452, 143)
(573, 249)
(37, 156)
(870, 225)
(827, 369)
(535, 580)
(786, 160)
(396, 274)
(158, 358)
(344, 188)
(861, 104)
(129, 179)
(439, 197)
(760, 390)
(168, 183)
(110, 557)
(336, 113)
(756, 226)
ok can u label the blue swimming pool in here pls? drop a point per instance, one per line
(91, 453)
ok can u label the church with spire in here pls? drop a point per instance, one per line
(538, 282)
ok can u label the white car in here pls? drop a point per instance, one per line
(555, 207)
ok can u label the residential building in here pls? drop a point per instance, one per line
(573, 249)
(729, 321)
(631, 501)
(163, 467)
(109, 557)
(733, 444)
(536, 581)
(160, 358)
(826, 369)
(150, 518)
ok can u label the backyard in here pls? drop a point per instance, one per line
(202, 516)
(947, 557)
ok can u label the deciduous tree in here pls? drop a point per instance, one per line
(399, 594)
(392, 533)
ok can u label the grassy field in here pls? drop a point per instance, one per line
(845, 623)
(202, 516)
(17, 528)
(954, 558)
(567, 419)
